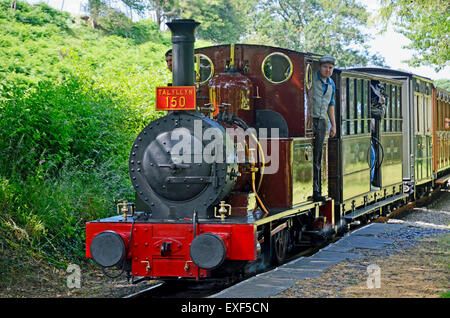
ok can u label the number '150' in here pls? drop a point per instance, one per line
(176, 101)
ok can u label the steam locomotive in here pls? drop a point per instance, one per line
(224, 181)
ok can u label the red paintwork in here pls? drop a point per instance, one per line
(276, 189)
(239, 240)
(286, 98)
(327, 211)
(239, 203)
(176, 98)
(235, 89)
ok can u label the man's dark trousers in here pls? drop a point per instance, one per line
(319, 131)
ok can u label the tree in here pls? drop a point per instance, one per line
(222, 21)
(443, 83)
(102, 8)
(426, 23)
(319, 26)
(165, 9)
(94, 7)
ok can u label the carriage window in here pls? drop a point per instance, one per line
(438, 115)
(425, 114)
(447, 115)
(365, 102)
(394, 109)
(368, 100)
(446, 112)
(386, 115)
(418, 113)
(277, 68)
(445, 106)
(399, 107)
(359, 107)
(385, 120)
(429, 110)
(356, 98)
(389, 105)
(430, 113)
(344, 112)
(351, 105)
(204, 68)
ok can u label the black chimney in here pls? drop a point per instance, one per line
(183, 38)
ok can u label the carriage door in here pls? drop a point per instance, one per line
(423, 133)
(392, 139)
(428, 109)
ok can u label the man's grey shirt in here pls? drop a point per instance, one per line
(323, 96)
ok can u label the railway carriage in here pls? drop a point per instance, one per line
(350, 175)
(441, 134)
(225, 187)
(424, 112)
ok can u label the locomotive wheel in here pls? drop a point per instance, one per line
(280, 245)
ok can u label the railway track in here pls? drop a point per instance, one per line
(188, 289)
(192, 289)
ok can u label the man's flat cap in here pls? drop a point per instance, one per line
(327, 59)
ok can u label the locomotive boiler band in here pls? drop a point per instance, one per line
(241, 180)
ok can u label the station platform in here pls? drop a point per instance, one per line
(273, 282)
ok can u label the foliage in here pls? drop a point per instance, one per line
(318, 26)
(72, 100)
(58, 123)
(443, 83)
(64, 150)
(222, 21)
(164, 9)
(426, 23)
(46, 215)
(38, 15)
(114, 22)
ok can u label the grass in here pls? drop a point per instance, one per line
(445, 295)
(72, 100)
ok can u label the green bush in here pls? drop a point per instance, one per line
(47, 215)
(63, 161)
(57, 123)
(39, 14)
(72, 100)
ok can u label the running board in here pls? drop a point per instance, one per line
(360, 212)
(443, 180)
